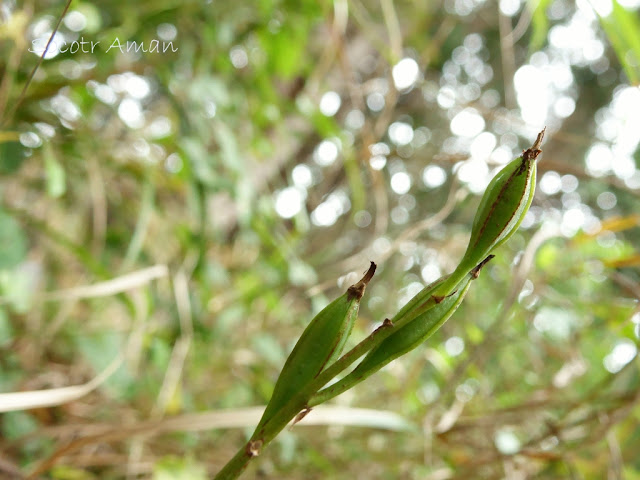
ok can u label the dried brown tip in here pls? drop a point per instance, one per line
(533, 152)
(301, 415)
(386, 324)
(357, 290)
(476, 271)
(437, 298)
(254, 447)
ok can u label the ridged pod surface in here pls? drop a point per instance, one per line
(502, 208)
(421, 325)
(320, 344)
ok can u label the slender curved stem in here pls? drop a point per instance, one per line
(300, 404)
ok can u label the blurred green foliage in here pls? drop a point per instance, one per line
(213, 161)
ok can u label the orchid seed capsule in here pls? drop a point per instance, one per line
(320, 344)
(420, 326)
(504, 205)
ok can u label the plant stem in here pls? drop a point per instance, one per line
(261, 439)
(268, 432)
(235, 466)
(372, 341)
(377, 337)
(309, 398)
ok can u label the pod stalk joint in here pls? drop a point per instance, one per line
(475, 273)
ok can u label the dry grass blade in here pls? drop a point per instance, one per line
(55, 396)
(117, 285)
(234, 418)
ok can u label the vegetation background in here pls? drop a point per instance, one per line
(178, 216)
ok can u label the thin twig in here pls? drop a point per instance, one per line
(181, 347)
(13, 63)
(508, 59)
(119, 284)
(521, 27)
(99, 208)
(456, 195)
(393, 28)
(35, 69)
(55, 396)
(223, 419)
(520, 276)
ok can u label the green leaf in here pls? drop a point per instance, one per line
(173, 468)
(623, 30)
(11, 156)
(287, 46)
(16, 287)
(100, 349)
(56, 184)
(6, 330)
(66, 472)
(200, 161)
(17, 424)
(539, 23)
(13, 243)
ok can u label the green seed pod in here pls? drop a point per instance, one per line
(413, 333)
(320, 344)
(504, 204)
(503, 207)
(409, 336)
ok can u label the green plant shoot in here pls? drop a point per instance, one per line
(320, 344)
(500, 213)
(407, 337)
(504, 205)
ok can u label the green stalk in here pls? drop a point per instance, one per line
(403, 340)
(260, 439)
(300, 403)
(502, 209)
